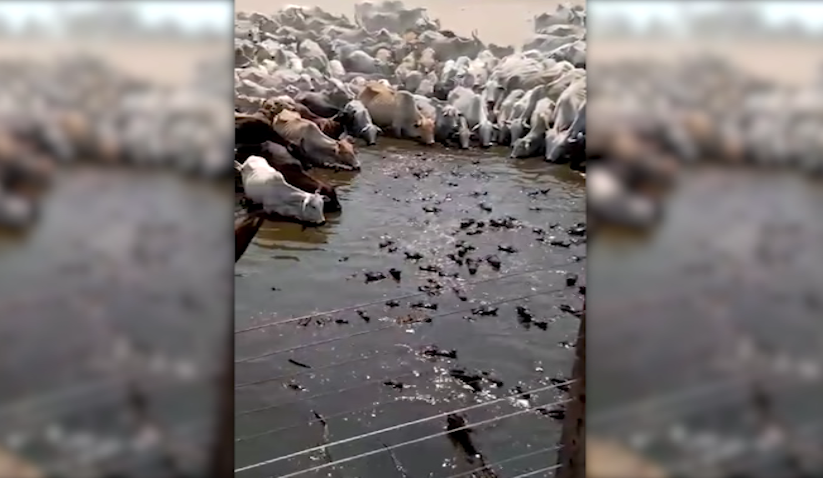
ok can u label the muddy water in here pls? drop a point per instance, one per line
(127, 275)
(288, 273)
(728, 289)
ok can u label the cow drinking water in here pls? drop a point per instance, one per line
(264, 185)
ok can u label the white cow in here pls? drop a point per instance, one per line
(265, 185)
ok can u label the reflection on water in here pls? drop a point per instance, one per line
(407, 201)
(276, 235)
(728, 288)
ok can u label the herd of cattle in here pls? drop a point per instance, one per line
(707, 109)
(650, 117)
(82, 109)
(310, 85)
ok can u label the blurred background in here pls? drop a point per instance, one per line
(115, 252)
(704, 353)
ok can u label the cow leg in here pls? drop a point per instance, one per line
(397, 130)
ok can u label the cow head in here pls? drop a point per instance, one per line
(346, 155)
(556, 146)
(522, 148)
(331, 203)
(311, 209)
(611, 203)
(369, 134)
(484, 132)
(271, 108)
(517, 129)
(424, 128)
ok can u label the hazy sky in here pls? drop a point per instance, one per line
(189, 14)
(776, 12)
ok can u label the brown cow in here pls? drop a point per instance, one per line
(24, 176)
(22, 170)
(643, 167)
(315, 147)
(246, 225)
(84, 141)
(256, 128)
(396, 111)
(331, 127)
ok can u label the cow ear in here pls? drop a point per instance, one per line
(475, 127)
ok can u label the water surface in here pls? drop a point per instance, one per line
(288, 273)
(120, 292)
(725, 294)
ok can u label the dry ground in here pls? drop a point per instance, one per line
(497, 21)
(785, 61)
(166, 62)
